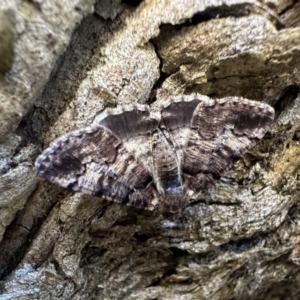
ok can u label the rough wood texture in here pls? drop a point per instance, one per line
(64, 64)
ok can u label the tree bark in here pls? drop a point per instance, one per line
(63, 63)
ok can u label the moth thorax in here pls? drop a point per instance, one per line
(166, 166)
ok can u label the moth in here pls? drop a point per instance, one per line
(160, 157)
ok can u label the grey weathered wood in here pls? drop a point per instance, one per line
(239, 241)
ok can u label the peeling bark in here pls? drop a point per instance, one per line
(64, 63)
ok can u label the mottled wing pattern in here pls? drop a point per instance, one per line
(163, 156)
(94, 161)
(133, 125)
(176, 115)
(221, 132)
